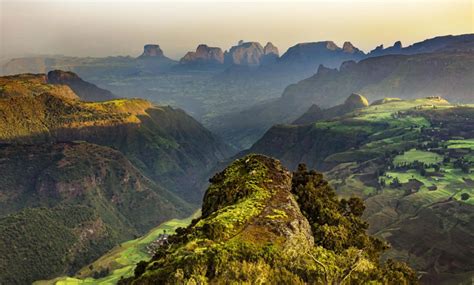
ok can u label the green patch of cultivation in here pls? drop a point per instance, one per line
(413, 155)
(455, 144)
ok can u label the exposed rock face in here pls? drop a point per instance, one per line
(85, 90)
(204, 55)
(249, 53)
(271, 54)
(349, 48)
(151, 50)
(270, 49)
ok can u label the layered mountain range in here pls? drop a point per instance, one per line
(248, 73)
(446, 74)
(94, 173)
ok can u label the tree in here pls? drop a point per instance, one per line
(465, 196)
(395, 183)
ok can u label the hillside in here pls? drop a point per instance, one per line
(404, 76)
(64, 204)
(164, 143)
(412, 161)
(262, 224)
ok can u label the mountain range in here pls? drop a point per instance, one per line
(248, 73)
(446, 74)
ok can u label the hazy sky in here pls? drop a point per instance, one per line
(106, 27)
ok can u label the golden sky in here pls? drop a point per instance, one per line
(107, 27)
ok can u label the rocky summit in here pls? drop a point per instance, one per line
(246, 53)
(151, 50)
(204, 55)
(262, 224)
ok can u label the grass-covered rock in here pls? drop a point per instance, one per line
(259, 224)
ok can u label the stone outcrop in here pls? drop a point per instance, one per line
(152, 50)
(248, 53)
(204, 55)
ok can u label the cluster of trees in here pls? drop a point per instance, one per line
(463, 164)
(337, 226)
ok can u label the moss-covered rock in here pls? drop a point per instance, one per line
(255, 229)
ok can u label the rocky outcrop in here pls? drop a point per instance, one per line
(204, 55)
(270, 49)
(85, 90)
(347, 47)
(271, 54)
(248, 54)
(152, 50)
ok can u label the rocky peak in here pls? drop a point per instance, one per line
(204, 55)
(248, 53)
(152, 50)
(397, 45)
(270, 49)
(60, 76)
(330, 45)
(349, 48)
(256, 180)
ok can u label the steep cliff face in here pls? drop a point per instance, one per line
(263, 224)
